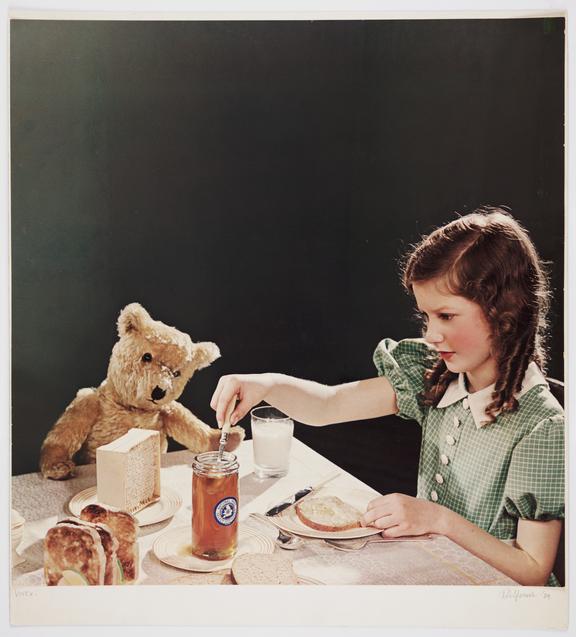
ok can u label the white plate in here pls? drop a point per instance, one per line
(166, 507)
(173, 548)
(358, 498)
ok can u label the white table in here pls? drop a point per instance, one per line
(435, 561)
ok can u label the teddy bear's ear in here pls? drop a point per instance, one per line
(132, 319)
(204, 354)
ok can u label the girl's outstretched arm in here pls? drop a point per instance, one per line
(306, 401)
(529, 562)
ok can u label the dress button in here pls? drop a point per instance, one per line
(456, 421)
(439, 479)
(450, 440)
(434, 496)
(444, 459)
(465, 403)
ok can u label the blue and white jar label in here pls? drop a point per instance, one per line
(225, 511)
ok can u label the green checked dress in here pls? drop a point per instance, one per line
(492, 474)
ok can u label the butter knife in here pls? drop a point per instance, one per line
(299, 495)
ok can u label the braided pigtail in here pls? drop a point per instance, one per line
(514, 358)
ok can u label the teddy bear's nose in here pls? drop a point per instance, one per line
(158, 393)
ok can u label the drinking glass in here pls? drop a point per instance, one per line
(271, 438)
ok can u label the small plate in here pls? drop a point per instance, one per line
(166, 507)
(358, 498)
(173, 548)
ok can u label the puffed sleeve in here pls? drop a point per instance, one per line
(404, 363)
(534, 487)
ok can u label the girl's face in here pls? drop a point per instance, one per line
(458, 329)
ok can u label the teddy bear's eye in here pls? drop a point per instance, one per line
(146, 358)
(176, 374)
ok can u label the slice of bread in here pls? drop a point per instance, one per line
(125, 530)
(109, 544)
(328, 513)
(218, 577)
(77, 548)
(259, 568)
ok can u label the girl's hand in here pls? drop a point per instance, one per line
(398, 514)
(248, 389)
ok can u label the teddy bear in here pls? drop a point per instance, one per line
(149, 367)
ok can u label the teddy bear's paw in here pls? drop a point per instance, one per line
(235, 437)
(60, 471)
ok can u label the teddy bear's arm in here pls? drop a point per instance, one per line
(182, 425)
(68, 434)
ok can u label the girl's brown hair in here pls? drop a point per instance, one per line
(488, 257)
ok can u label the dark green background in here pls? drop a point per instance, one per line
(253, 184)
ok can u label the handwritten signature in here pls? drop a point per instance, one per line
(517, 594)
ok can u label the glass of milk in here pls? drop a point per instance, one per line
(271, 437)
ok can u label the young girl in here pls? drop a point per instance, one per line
(492, 457)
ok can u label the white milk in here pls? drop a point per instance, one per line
(271, 442)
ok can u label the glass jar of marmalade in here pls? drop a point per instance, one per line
(214, 505)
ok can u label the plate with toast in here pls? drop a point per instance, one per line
(331, 513)
(158, 511)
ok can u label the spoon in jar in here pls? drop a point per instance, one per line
(226, 428)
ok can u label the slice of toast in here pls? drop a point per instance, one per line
(217, 577)
(109, 544)
(259, 568)
(125, 530)
(73, 549)
(328, 513)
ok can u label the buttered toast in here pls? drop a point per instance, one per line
(328, 513)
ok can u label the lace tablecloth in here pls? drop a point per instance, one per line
(437, 561)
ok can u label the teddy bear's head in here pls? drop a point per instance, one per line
(152, 362)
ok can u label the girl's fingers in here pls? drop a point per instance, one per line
(392, 531)
(216, 394)
(385, 522)
(242, 408)
(227, 394)
(380, 501)
(373, 517)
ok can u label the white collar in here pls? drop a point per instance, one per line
(478, 401)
